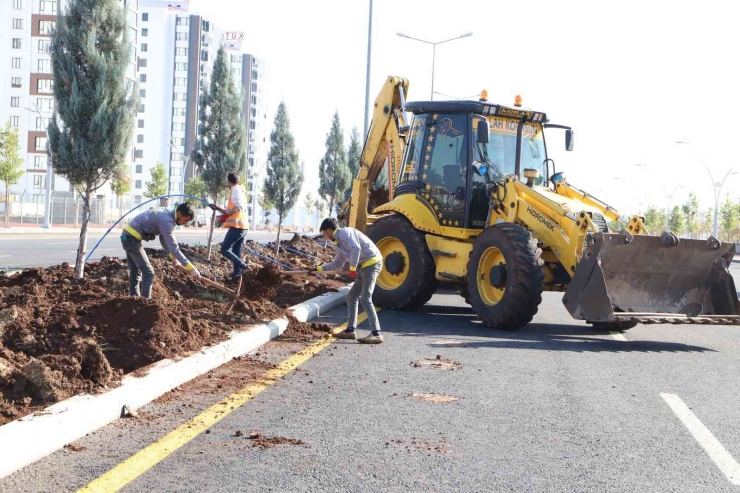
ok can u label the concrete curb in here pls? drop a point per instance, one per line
(35, 436)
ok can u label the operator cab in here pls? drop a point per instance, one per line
(449, 162)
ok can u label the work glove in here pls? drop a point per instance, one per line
(353, 274)
(213, 207)
(195, 274)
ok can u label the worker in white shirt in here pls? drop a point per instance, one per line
(237, 222)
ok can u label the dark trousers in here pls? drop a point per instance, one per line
(140, 272)
(231, 248)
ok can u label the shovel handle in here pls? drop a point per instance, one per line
(306, 272)
(209, 283)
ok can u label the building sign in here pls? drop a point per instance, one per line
(233, 36)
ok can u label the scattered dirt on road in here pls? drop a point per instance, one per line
(436, 398)
(439, 362)
(264, 442)
(75, 448)
(425, 446)
(60, 336)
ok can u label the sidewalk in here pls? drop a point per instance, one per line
(18, 228)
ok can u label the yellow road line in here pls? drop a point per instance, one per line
(141, 462)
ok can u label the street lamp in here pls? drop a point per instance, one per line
(434, 49)
(47, 199)
(716, 185)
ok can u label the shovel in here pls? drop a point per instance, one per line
(313, 273)
(213, 284)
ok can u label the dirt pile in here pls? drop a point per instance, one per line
(60, 336)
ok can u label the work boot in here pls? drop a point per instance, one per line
(371, 339)
(346, 335)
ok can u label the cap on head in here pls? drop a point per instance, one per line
(328, 223)
(233, 178)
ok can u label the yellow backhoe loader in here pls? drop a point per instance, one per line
(441, 195)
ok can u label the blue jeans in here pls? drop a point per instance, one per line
(140, 272)
(231, 248)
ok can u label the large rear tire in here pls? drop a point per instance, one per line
(505, 277)
(407, 279)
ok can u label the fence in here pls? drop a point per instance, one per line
(27, 208)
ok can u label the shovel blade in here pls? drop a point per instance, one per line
(620, 273)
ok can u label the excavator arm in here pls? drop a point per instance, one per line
(384, 146)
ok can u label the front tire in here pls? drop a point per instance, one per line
(407, 279)
(505, 277)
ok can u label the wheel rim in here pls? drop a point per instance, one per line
(391, 246)
(491, 259)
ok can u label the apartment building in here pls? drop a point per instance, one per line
(27, 83)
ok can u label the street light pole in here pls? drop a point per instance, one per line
(716, 186)
(47, 198)
(434, 49)
(669, 200)
(367, 75)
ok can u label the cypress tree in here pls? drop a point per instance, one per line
(90, 134)
(284, 175)
(353, 159)
(223, 144)
(333, 170)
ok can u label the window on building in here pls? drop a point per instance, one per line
(144, 32)
(142, 62)
(48, 7)
(236, 59)
(138, 186)
(255, 75)
(17, 23)
(139, 168)
(181, 81)
(181, 52)
(142, 77)
(139, 139)
(145, 17)
(17, 4)
(141, 123)
(46, 27)
(178, 127)
(15, 102)
(16, 63)
(17, 43)
(181, 66)
(45, 104)
(45, 86)
(252, 124)
(180, 96)
(44, 46)
(178, 112)
(181, 36)
(183, 21)
(137, 199)
(41, 143)
(254, 87)
(40, 123)
(141, 108)
(39, 182)
(142, 93)
(15, 121)
(144, 47)
(175, 187)
(138, 154)
(39, 162)
(237, 72)
(175, 171)
(44, 66)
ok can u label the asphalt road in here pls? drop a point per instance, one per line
(554, 407)
(43, 250)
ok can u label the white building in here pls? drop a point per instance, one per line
(26, 99)
(177, 51)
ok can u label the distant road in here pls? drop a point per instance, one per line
(41, 250)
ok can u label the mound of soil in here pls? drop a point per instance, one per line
(60, 336)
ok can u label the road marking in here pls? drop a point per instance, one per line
(716, 451)
(618, 335)
(4, 256)
(142, 461)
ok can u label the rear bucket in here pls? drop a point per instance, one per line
(653, 277)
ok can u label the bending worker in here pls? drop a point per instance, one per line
(237, 222)
(145, 227)
(365, 263)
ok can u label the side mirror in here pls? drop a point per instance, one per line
(480, 168)
(484, 130)
(569, 140)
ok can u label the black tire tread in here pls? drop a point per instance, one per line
(413, 294)
(525, 277)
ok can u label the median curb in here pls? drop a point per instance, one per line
(38, 435)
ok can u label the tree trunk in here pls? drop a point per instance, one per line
(120, 209)
(210, 234)
(76, 208)
(277, 242)
(331, 206)
(7, 207)
(82, 249)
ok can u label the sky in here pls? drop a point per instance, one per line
(631, 77)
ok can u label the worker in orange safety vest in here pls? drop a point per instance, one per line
(236, 219)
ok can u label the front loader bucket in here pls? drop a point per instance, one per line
(654, 279)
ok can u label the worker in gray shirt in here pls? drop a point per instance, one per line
(145, 227)
(365, 263)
